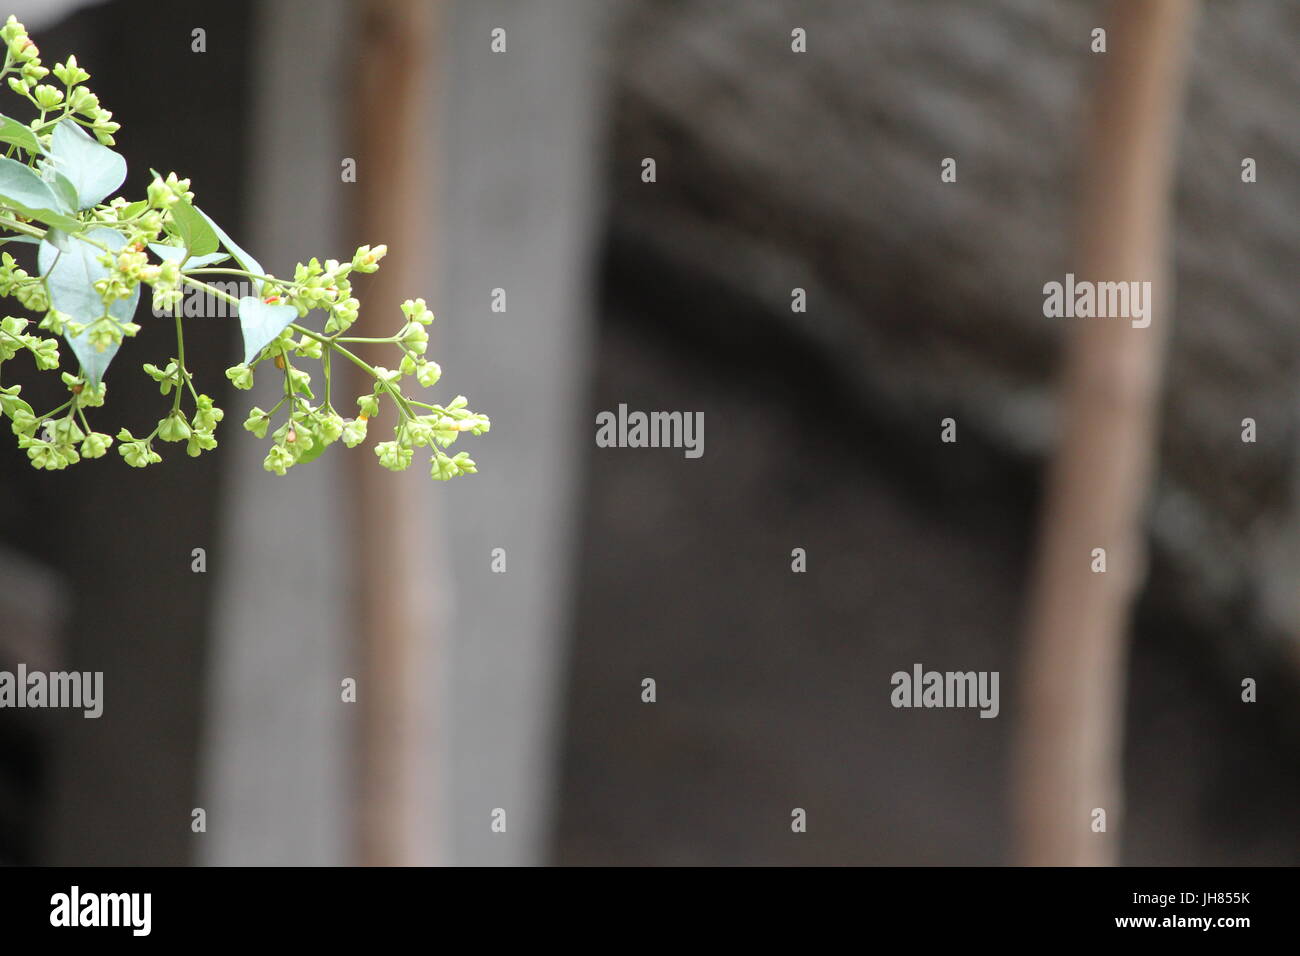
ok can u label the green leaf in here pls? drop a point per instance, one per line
(247, 262)
(22, 189)
(57, 238)
(261, 323)
(64, 191)
(94, 171)
(177, 253)
(71, 278)
(194, 230)
(12, 131)
(315, 451)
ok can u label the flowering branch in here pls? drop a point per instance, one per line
(95, 256)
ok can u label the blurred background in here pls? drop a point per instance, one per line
(511, 162)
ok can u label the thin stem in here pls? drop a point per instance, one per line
(51, 414)
(26, 229)
(180, 359)
(233, 272)
(210, 290)
(399, 399)
(329, 381)
(21, 227)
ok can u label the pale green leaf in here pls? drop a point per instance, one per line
(71, 278)
(21, 188)
(194, 230)
(12, 131)
(247, 262)
(261, 323)
(94, 171)
(177, 253)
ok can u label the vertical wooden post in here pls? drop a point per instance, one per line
(395, 554)
(1069, 752)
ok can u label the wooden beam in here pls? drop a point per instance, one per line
(399, 581)
(1069, 751)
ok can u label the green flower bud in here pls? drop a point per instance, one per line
(300, 382)
(164, 193)
(138, 454)
(330, 427)
(70, 73)
(369, 405)
(64, 431)
(165, 377)
(446, 431)
(44, 351)
(257, 422)
(296, 436)
(241, 376)
(428, 373)
(81, 100)
(443, 469)
(47, 97)
(393, 456)
(354, 432)
(419, 432)
(92, 396)
(95, 445)
(45, 456)
(24, 421)
(55, 321)
(174, 427)
(367, 259)
(21, 47)
(278, 460)
(32, 296)
(200, 441)
(415, 337)
(417, 311)
(101, 336)
(206, 415)
(308, 348)
(166, 300)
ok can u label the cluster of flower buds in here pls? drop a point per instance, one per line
(28, 290)
(23, 59)
(308, 428)
(96, 256)
(63, 437)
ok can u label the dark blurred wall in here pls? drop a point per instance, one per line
(820, 171)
